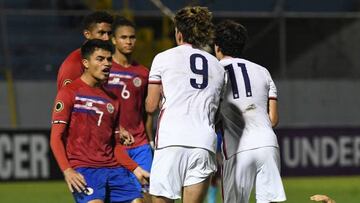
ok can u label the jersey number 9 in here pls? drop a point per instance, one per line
(202, 71)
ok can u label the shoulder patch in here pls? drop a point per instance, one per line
(66, 82)
(59, 106)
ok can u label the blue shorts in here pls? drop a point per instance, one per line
(143, 156)
(112, 184)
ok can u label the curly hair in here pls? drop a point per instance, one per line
(195, 25)
(231, 38)
(96, 17)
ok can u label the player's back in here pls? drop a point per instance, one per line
(249, 88)
(192, 81)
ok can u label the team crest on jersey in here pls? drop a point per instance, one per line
(137, 82)
(110, 108)
(66, 82)
(59, 106)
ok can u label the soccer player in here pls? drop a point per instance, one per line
(189, 80)
(97, 25)
(128, 80)
(251, 155)
(83, 134)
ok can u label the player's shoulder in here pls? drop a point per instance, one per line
(76, 54)
(139, 67)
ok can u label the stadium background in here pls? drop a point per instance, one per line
(310, 47)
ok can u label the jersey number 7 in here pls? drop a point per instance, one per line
(233, 81)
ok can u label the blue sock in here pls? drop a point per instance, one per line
(212, 194)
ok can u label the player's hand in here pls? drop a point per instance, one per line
(322, 198)
(74, 180)
(142, 175)
(126, 138)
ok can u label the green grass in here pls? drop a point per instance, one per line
(298, 190)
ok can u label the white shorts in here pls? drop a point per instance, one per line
(260, 166)
(176, 166)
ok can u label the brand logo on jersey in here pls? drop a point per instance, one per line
(59, 106)
(110, 108)
(137, 82)
(66, 82)
(88, 191)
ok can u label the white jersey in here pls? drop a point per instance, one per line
(249, 88)
(192, 82)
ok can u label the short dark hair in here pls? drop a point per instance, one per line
(231, 38)
(120, 21)
(96, 17)
(91, 45)
(195, 25)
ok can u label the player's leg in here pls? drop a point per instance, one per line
(196, 193)
(122, 187)
(239, 173)
(167, 174)
(269, 187)
(159, 199)
(201, 164)
(142, 155)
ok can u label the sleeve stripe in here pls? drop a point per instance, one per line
(59, 122)
(272, 98)
(154, 82)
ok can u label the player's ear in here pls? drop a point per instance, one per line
(85, 63)
(87, 34)
(113, 40)
(219, 55)
(178, 37)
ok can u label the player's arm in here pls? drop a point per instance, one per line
(149, 129)
(272, 102)
(153, 98)
(62, 114)
(124, 159)
(273, 112)
(73, 179)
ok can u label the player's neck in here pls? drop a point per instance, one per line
(89, 80)
(122, 59)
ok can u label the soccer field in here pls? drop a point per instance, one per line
(298, 190)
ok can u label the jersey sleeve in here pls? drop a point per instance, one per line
(156, 70)
(64, 103)
(272, 86)
(70, 69)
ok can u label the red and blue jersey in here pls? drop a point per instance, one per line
(91, 115)
(130, 86)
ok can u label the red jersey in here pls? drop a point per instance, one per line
(130, 85)
(71, 69)
(91, 115)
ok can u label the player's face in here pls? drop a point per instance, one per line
(99, 31)
(124, 39)
(98, 65)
